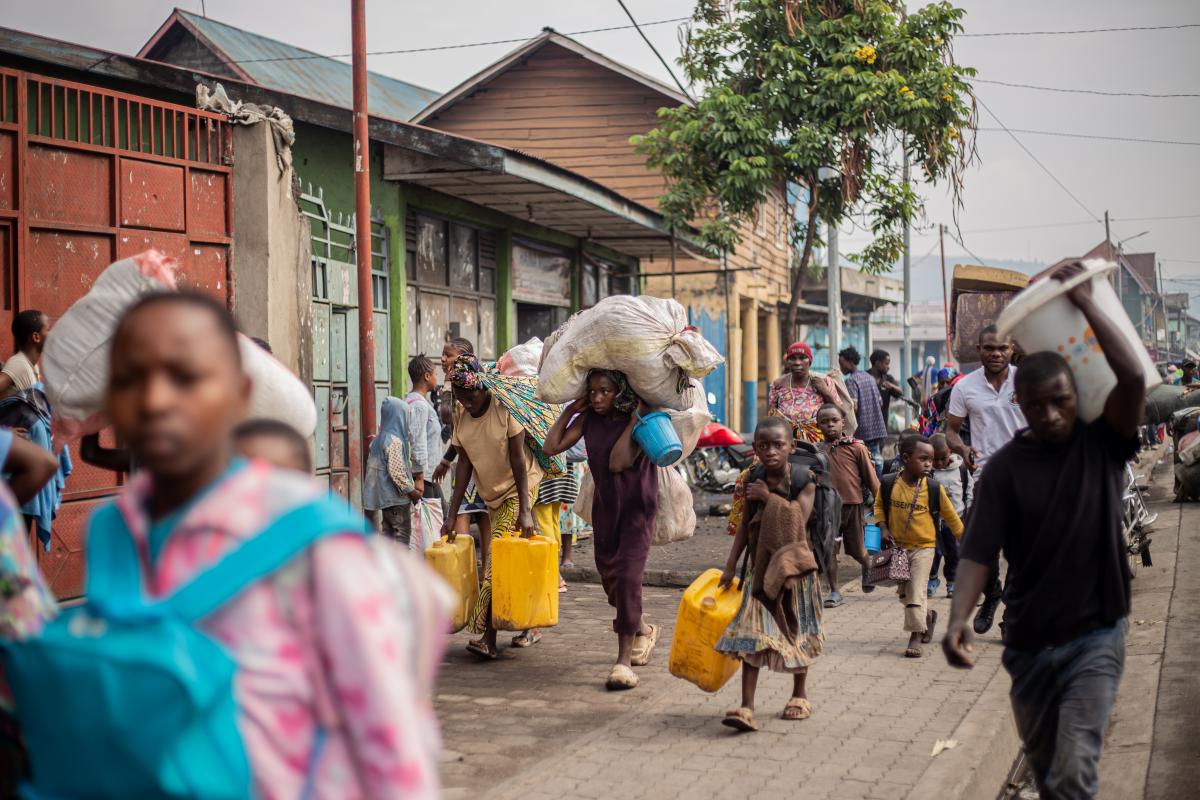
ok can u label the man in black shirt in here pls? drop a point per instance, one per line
(1052, 502)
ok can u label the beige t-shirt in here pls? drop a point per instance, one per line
(22, 371)
(485, 441)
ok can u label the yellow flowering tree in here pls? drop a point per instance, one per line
(791, 86)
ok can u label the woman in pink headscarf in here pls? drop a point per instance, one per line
(796, 396)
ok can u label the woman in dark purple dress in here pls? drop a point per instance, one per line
(623, 509)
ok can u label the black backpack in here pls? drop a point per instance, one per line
(826, 518)
(935, 497)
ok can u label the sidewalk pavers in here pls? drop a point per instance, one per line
(877, 715)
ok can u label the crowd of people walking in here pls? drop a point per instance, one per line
(320, 670)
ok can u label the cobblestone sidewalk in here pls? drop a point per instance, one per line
(538, 723)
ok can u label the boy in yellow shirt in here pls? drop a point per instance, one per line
(911, 523)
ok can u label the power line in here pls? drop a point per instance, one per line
(1084, 91)
(1063, 134)
(1083, 31)
(1080, 222)
(650, 44)
(1037, 161)
(456, 46)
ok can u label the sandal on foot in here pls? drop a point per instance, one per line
(834, 600)
(643, 647)
(621, 678)
(482, 650)
(797, 708)
(912, 652)
(526, 638)
(740, 719)
(930, 623)
(562, 585)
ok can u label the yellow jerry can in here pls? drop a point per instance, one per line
(524, 583)
(704, 613)
(455, 562)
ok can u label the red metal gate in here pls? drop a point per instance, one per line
(89, 176)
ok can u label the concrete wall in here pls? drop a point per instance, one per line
(271, 269)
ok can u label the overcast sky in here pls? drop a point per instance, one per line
(1007, 189)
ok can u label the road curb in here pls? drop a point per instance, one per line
(664, 578)
(987, 747)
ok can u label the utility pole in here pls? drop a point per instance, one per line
(945, 300)
(833, 284)
(906, 357)
(362, 232)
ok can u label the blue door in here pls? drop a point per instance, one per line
(713, 329)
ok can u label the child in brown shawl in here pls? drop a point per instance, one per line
(779, 623)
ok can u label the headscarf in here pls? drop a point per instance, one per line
(799, 348)
(391, 426)
(467, 372)
(518, 395)
(626, 400)
(379, 490)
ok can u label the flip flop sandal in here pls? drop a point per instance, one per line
(740, 719)
(834, 600)
(526, 638)
(930, 623)
(797, 708)
(478, 649)
(912, 652)
(621, 678)
(643, 647)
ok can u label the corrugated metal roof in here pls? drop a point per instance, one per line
(297, 72)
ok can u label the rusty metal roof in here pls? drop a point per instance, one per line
(277, 65)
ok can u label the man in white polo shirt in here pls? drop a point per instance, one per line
(986, 399)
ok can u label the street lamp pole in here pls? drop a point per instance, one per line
(906, 359)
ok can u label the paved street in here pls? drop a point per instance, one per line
(539, 724)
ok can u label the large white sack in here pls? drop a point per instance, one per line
(75, 361)
(676, 516)
(276, 392)
(522, 359)
(690, 422)
(647, 338)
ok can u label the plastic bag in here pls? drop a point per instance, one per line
(426, 525)
(75, 360)
(676, 517)
(522, 359)
(647, 338)
(276, 392)
(690, 422)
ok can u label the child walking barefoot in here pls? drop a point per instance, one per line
(623, 511)
(779, 623)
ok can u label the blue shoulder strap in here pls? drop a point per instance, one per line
(264, 553)
(114, 571)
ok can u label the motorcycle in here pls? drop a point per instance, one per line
(720, 456)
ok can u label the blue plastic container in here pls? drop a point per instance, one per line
(873, 538)
(657, 438)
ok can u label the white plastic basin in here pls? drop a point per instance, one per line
(1042, 317)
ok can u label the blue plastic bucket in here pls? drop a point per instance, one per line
(873, 538)
(657, 438)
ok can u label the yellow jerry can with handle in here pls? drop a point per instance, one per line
(704, 613)
(524, 583)
(455, 563)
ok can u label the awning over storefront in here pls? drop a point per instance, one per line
(527, 188)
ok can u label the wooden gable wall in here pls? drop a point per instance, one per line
(560, 106)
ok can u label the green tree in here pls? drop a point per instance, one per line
(791, 86)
